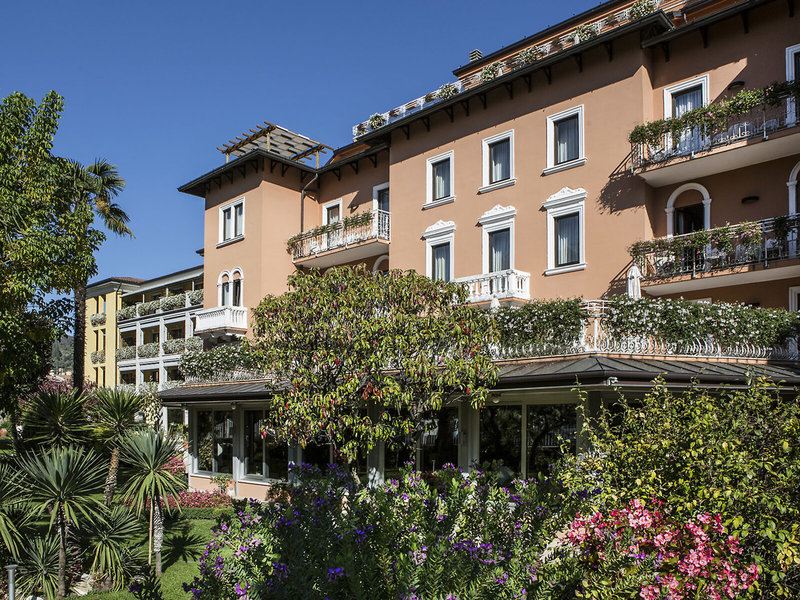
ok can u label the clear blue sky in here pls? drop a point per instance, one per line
(155, 87)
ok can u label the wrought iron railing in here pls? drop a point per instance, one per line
(372, 225)
(759, 122)
(718, 249)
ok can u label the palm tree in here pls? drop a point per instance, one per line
(55, 417)
(115, 412)
(63, 482)
(110, 545)
(149, 453)
(93, 188)
(13, 517)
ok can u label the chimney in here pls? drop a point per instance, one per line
(475, 55)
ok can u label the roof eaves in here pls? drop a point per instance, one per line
(657, 18)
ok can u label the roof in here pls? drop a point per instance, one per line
(115, 280)
(588, 370)
(144, 284)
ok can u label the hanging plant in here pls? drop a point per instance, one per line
(491, 71)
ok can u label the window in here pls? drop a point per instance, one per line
(548, 425)
(792, 73)
(439, 239)
(498, 161)
(685, 96)
(230, 288)
(439, 441)
(263, 457)
(380, 197)
(498, 238)
(567, 239)
(231, 226)
(440, 267)
(440, 180)
(565, 231)
(688, 219)
(331, 214)
(213, 443)
(501, 436)
(225, 298)
(565, 140)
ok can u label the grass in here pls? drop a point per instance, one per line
(184, 542)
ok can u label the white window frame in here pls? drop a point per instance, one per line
(441, 232)
(220, 284)
(793, 292)
(241, 286)
(565, 202)
(375, 190)
(429, 201)
(791, 75)
(486, 185)
(671, 90)
(497, 219)
(325, 208)
(232, 206)
(552, 167)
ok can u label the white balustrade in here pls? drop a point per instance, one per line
(221, 317)
(500, 285)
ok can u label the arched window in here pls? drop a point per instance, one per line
(688, 216)
(224, 285)
(792, 184)
(236, 287)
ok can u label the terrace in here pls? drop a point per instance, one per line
(751, 127)
(743, 253)
(351, 239)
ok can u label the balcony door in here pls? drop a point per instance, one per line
(332, 214)
(683, 102)
(499, 259)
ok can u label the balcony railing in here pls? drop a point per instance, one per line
(596, 336)
(759, 122)
(372, 225)
(718, 249)
(221, 318)
(500, 284)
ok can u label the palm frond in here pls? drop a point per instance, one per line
(148, 453)
(54, 417)
(111, 546)
(115, 412)
(38, 572)
(13, 514)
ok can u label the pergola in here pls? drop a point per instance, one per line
(276, 140)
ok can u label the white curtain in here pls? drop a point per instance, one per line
(683, 102)
(441, 262)
(567, 140)
(226, 294)
(500, 161)
(441, 179)
(500, 248)
(567, 240)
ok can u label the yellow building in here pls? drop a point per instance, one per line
(103, 299)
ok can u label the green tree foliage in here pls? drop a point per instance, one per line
(364, 358)
(149, 453)
(63, 483)
(45, 246)
(61, 357)
(736, 453)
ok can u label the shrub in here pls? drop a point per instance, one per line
(586, 31)
(147, 350)
(195, 297)
(491, 71)
(376, 121)
(448, 90)
(218, 363)
(173, 302)
(540, 323)
(98, 356)
(529, 55)
(126, 352)
(126, 312)
(641, 8)
(174, 346)
(148, 308)
(194, 344)
(97, 319)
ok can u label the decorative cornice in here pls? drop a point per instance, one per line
(498, 213)
(565, 195)
(439, 228)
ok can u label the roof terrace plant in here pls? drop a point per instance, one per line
(448, 90)
(642, 8)
(491, 71)
(376, 121)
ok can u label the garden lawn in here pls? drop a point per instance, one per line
(184, 542)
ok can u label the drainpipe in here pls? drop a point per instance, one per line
(303, 197)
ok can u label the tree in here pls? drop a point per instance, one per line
(91, 189)
(149, 453)
(115, 412)
(63, 482)
(362, 359)
(42, 244)
(55, 418)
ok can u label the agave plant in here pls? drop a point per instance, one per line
(149, 454)
(115, 412)
(111, 548)
(38, 569)
(63, 483)
(13, 516)
(55, 418)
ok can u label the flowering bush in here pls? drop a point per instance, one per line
(126, 312)
(448, 90)
(176, 466)
(147, 308)
(491, 71)
(642, 8)
(376, 121)
(662, 557)
(557, 322)
(195, 297)
(200, 499)
(126, 352)
(194, 344)
(98, 356)
(174, 346)
(173, 302)
(97, 319)
(147, 350)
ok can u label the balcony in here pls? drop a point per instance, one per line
(352, 239)
(723, 137)
(167, 303)
(731, 255)
(221, 321)
(510, 285)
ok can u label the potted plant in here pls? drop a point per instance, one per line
(448, 90)
(376, 121)
(641, 8)
(491, 71)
